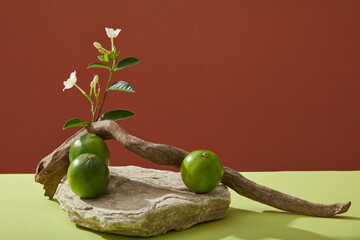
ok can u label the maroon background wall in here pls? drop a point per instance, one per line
(267, 85)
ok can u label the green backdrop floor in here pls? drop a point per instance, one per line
(26, 214)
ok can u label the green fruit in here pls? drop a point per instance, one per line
(89, 143)
(201, 171)
(88, 175)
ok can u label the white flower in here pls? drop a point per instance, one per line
(94, 81)
(112, 33)
(71, 81)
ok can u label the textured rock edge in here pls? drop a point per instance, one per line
(194, 214)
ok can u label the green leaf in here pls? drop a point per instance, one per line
(101, 58)
(113, 55)
(116, 115)
(127, 62)
(98, 65)
(106, 57)
(122, 86)
(75, 122)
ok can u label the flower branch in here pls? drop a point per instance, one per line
(112, 66)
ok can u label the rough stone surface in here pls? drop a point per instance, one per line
(144, 202)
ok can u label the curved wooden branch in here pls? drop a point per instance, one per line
(53, 167)
(271, 197)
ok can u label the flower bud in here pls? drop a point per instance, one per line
(94, 81)
(97, 45)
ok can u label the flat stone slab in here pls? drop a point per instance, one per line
(144, 202)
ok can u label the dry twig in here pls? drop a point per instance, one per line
(53, 167)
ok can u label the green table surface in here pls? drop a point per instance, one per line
(26, 214)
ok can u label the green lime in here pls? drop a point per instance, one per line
(88, 175)
(201, 171)
(89, 143)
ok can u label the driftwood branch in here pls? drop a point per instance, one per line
(53, 167)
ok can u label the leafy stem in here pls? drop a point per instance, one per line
(112, 65)
(97, 105)
(105, 94)
(114, 57)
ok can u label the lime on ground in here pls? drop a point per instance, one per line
(88, 175)
(201, 171)
(89, 143)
